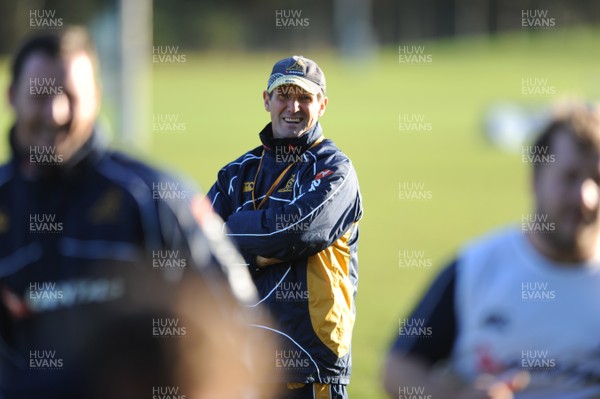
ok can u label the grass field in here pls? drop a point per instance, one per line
(474, 186)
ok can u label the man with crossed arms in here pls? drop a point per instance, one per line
(292, 205)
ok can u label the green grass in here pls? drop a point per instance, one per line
(474, 186)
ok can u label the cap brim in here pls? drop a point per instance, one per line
(305, 84)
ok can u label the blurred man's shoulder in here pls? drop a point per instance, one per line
(499, 236)
(126, 168)
(499, 244)
(489, 260)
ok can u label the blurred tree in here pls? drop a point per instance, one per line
(251, 24)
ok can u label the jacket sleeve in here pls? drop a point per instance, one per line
(436, 314)
(328, 204)
(219, 195)
(189, 226)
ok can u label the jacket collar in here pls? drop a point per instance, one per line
(90, 153)
(272, 145)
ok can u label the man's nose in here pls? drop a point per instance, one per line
(58, 110)
(589, 195)
(294, 105)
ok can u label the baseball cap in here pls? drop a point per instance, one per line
(297, 70)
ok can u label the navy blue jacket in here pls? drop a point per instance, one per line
(309, 222)
(67, 238)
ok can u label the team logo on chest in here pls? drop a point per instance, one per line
(248, 186)
(106, 209)
(289, 185)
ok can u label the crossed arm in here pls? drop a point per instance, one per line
(322, 213)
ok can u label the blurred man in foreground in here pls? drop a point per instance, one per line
(78, 221)
(292, 205)
(177, 344)
(517, 314)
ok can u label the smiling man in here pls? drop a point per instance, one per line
(292, 205)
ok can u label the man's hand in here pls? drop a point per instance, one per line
(407, 371)
(490, 387)
(261, 261)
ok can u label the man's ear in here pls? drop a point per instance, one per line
(322, 106)
(267, 101)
